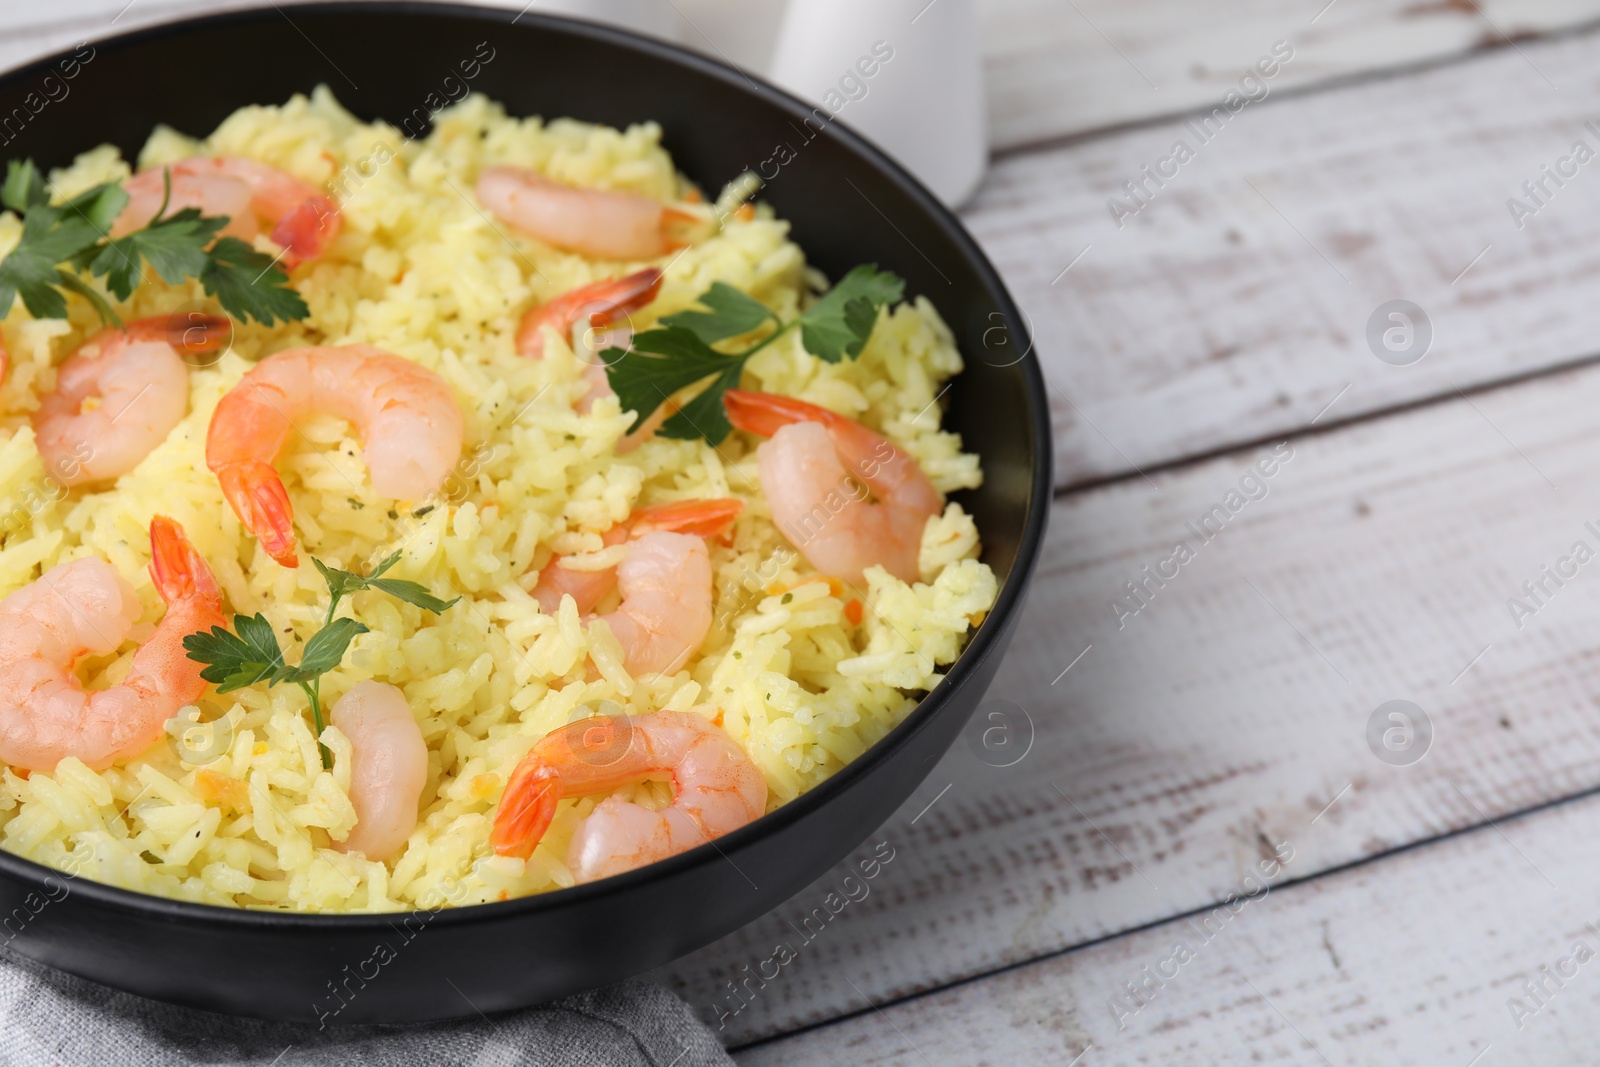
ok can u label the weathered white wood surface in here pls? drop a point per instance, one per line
(1234, 707)
(1057, 68)
(1236, 304)
(1411, 961)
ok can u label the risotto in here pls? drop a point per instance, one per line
(549, 485)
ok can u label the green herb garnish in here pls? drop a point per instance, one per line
(248, 284)
(73, 234)
(678, 353)
(251, 653)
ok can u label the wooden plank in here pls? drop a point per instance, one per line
(1064, 68)
(1420, 959)
(1236, 304)
(1235, 706)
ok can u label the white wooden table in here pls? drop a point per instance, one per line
(1033, 913)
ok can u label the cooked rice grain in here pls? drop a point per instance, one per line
(421, 271)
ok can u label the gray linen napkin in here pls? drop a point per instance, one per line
(47, 1017)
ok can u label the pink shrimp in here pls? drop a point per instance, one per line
(302, 221)
(408, 420)
(599, 303)
(716, 789)
(818, 471)
(86, 608)
(389, 766)
(665, 614)
(703, 518)
(119, 395)
(591, 222)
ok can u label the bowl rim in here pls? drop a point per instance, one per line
(980, 647)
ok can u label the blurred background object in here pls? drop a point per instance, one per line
(658, 18)
(740, 32)
(906, 73)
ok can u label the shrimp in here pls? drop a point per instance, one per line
(600, 304)
(716, 789)
(303, 221)
(819, 470)
(119, 395)
(408, 420)
(597, 223)
(704, 518)
(389, 766)
(665, 614)
(86, 607)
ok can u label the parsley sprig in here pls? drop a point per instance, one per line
(74, 234)
(678, 353)
(251, 653)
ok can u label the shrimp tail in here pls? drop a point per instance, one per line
(194, 333)
(600, 304)
(704, 518)
(764, 414)
(177, 569)
(307, 230)
(526, 808)
(629, 293)
(262, 503)
(680, 229)
(190, 334)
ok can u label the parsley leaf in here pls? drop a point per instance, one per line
(704, 416)
(234, 662)
(74, 234)
(234, 273)
(661, 362)
(732, 313)
(343, 583)
(841, 320)
(251, 654)
(98, 206)
(24, 187)
(411, 593)
(53, 235)
(678, 353)
(324, 651)
(30, 270)
(68, 280)
(173, 246)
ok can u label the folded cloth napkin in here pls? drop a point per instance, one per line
(47, 1017)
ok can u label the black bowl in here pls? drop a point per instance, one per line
(848, 204)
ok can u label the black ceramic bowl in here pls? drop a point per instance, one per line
(848, 204)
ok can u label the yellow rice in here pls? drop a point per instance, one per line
(421, 270)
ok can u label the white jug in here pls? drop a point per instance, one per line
(906, 73)
(658, 18)
(740, 32)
